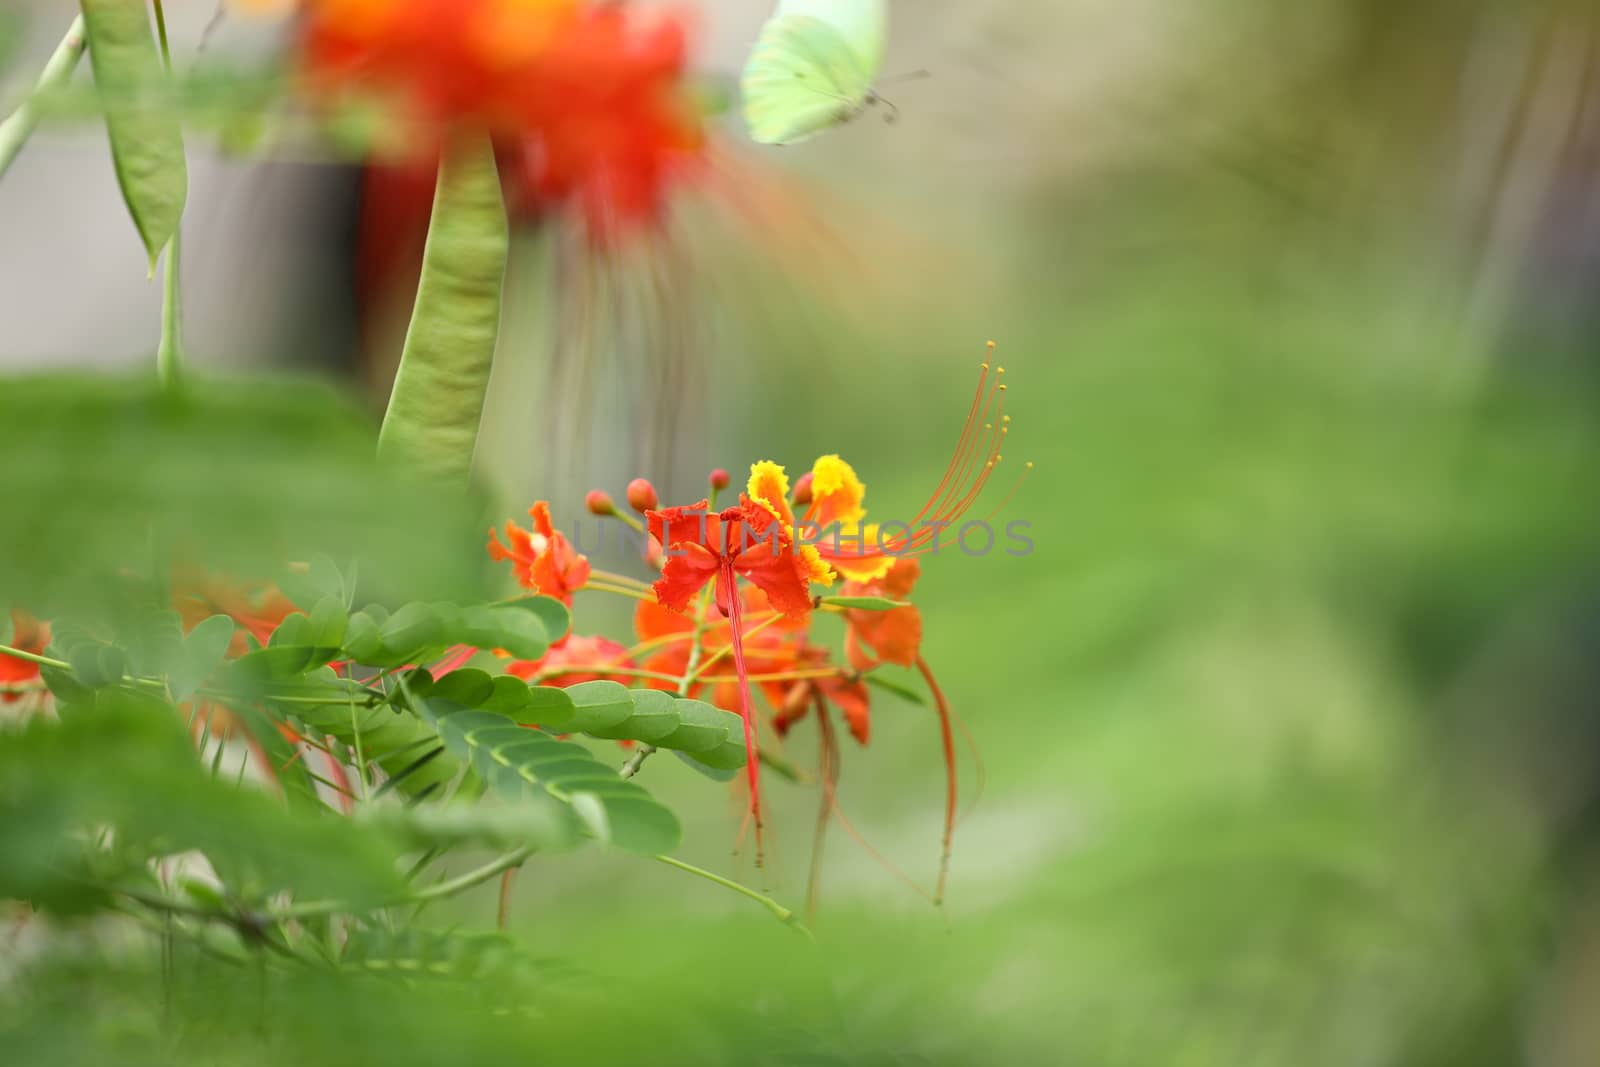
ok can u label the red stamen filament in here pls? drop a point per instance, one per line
(948, 740)
(752, 755)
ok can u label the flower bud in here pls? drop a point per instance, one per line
(599, 503)
(642, 496)
(719, 479)
(802, 490)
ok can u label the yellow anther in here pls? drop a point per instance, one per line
(991, 344)
(1028, 465)
(1002, 385)
(985, 366)
(1005, 418)
(999, 370)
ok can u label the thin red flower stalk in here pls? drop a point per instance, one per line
(746, 712)
(947, 738)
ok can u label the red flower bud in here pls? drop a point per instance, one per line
(802, 490)
(719, 479)
(642, 496)
(599, 503)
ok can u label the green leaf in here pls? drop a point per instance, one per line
(203, 652)
(96, 666)
(235, 477)
(319, 578)
(702, 727)
(899, 689)
(146, 140)
(513, 759)
(419, 632)
(551, 613)
(123, 761)
(714, 773)
(437, 404)
(864, 603)
(655, 716)
(599, 705)
(536, 821)
(328, 622)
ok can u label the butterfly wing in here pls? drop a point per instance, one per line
(802, 78)
(864, 24)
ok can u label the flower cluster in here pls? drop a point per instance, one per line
(736, 590)
(585, 101)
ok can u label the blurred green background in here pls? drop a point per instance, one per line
(1290, 723)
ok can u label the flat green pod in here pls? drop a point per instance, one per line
(146, 138)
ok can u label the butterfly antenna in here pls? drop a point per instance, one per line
(892, 115)
(909, 76)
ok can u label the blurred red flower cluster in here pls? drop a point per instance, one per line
(585, 102)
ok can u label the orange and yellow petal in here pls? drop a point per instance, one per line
(769, 486)
(836, 493)
(813, 566)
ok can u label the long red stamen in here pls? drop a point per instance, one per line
(948, 738)
(963, 442)
(971, 450)
(751, 754)
(828, 772)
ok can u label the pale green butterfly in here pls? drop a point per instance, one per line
(812, 67)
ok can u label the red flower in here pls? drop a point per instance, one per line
(772, 649)
(748, 541)
(585, 103)
(576, 651)
(257, 607)
(607, 126)
(848, 694)
(542, 558)
(438, 60)
(29, 635)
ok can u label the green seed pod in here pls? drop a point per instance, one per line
(439, 390)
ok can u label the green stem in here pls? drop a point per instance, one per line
(449, 888)
(620, 590)
(161, 34)
(602, 668)
(14, 132)
(169, 353)
(31, 657)
(635, 761)
(784, 914)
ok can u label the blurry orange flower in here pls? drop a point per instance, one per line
(543, 559)
(257, 607)
(585, 102)
(848, 694)
(579, 650)
(606, 126)
(29, 635)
